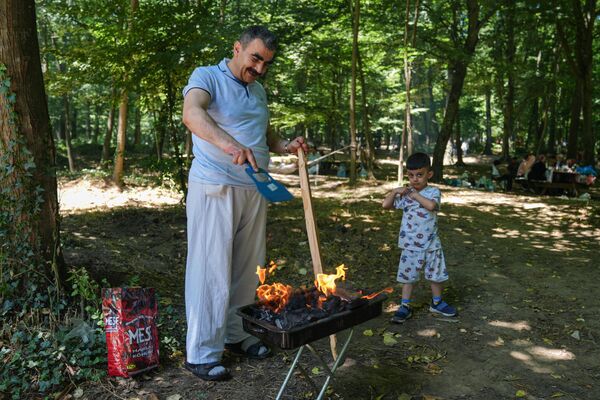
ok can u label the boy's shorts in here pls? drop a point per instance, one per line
(431, 262)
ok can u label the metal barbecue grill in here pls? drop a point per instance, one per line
(303, 335)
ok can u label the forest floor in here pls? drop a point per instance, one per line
(524, 276)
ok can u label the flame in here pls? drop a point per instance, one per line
(326, 283)
(262, 274)
(272, 267)
(274, 296)
(373, 295)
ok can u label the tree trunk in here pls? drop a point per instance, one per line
(584, 48)
(109, 130)
(30, 131)
(121, 139)
(459, 68)
(68, 126)
(488, 122)
(355, 24)
(123, 108)
(137, 138)
(458, 141)
(96, 125)
(370, 150)
(575, 124)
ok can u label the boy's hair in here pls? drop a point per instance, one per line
(497, 162)
(418, 160)
(259, 32)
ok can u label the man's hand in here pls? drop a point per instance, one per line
(293, 145)
(240, 155)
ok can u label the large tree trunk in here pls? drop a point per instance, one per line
(123, 108)
(459, 68)
(584, 50)
(30, 130)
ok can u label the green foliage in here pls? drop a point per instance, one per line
(44, 343)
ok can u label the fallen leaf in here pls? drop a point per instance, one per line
(302, 271)
(174, 397)
(405, 396)
(368, 332)
(557, 394)
(520, 393)
(315, 371)
(389, 340)
(576, 335)
(78, 393)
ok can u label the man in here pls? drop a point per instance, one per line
(226, 109)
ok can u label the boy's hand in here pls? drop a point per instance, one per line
(401, 191)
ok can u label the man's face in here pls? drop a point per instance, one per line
(418, 177)
(251, 62)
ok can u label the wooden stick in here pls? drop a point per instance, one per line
(311, 229)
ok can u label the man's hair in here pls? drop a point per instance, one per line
(418, 160)
(259, 32)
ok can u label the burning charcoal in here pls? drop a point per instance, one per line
(356, 303)
(297, 301)
(347, 294)
(332, 305)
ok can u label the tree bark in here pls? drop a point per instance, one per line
(19, 51)
(370, 150)
(355, 23)
(121, 139)
(110, 123)
(459, 68)
(488, 122)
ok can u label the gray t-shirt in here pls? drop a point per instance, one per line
(419, 230)
(241, 110)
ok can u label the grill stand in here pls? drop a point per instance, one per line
(330, 371)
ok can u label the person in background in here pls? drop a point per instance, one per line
(418, 239)
(525, 165)
(225, 108)
(506, 177)
(538, 169)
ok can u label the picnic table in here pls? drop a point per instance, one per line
(564, 181)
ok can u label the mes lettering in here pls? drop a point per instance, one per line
(140, 335)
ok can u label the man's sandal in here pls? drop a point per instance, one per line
(256, 351)
(209, 372)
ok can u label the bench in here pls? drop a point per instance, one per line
(574, 188)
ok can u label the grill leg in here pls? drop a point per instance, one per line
(340, 359)
(290, 372)
(330, 371)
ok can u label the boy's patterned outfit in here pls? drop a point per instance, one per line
(419, 241)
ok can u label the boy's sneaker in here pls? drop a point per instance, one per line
(443, 308)
(403, 313)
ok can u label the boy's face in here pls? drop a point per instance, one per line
(418, 177)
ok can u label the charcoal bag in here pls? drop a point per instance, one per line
(131, 333)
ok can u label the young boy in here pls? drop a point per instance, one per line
(419, 241)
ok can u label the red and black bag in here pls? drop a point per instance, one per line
(131, 333)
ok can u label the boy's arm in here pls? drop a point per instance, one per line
(428, 204)
(388, 202)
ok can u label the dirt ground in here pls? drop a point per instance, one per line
(524, 276)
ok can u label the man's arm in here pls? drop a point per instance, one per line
(282, 146)
(197, 120)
